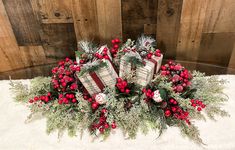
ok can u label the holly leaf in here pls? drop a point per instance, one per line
(163, 94)
(79, 53)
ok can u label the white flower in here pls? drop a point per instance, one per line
(101, 98)
(157, 97)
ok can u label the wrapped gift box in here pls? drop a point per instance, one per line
(96, 81)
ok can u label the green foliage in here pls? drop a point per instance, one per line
(38, 86)
(140, 116)
(92, 68)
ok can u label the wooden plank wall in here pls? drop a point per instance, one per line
(35, 34)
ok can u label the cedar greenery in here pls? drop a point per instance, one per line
(140, 117)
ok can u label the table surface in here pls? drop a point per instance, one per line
(16, 135)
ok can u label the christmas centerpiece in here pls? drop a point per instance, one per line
(124, 86)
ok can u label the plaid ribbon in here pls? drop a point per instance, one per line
(94, 82)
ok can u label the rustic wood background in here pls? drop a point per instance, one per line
(35, 34)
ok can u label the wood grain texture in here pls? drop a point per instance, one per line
(59, 41)
(33, 55)
(232, 58)
(109, 19)
(9, 50)
(135, 14)
(24, 22)
(28, 72)
(85, 19)
(191, 26)
(54, 11)
(168, 23)
(220, 16)
(216, 48)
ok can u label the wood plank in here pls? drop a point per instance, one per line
(28, 72)
(216, 48)
(191, 25)
(54, 11)
(135, 14)
(85, 19)
(9, 50)
(220, 16)
(109, 19)
(232, 58)
(149, 29)
(168, 23)
(33, 55)
(24, 23)
(59, 41)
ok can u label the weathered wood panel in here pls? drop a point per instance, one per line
(216, 48)
(137, 13)
(24, 23)
(9, 50)
(59, 41)
(85, 19)
(109, 19)
(168, 23)
(191, 26)
(232, 58)
(220, 16)
(33, 55)
(198, 33)
(54, 11)
(28, 72)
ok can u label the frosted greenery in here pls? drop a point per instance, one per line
(139, 117)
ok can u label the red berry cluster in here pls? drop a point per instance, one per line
(102, 124)
(122, 86)
(148, 93)
(197, 104)
(64, 81)
(67, 98)
(115, 47)
(178, 75)
(44, 98)
(104, 54)
(94, 104)
(176, 111)
(156, 53)
(63, 78)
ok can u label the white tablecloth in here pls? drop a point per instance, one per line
(16, 135)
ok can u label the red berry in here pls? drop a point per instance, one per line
(122, 90)
(63, 84)
(119, 80)
(89, 99)
(149, 56)
(36, 98)
(203, 105)
(113, 125)
(199, 108)
(167, 113)
(194, 105)
(124, 83)
(117, 41)
(30, 101)
(163, 67)
(101, 130)
(113, 41)
(74, 100)
(173, 109)
(60, 102)
(94, 105)
(172, 100)
(115, 46)
(127, 91)
(104, 110)
(106, 125)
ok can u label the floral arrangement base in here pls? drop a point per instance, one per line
(168, 95)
